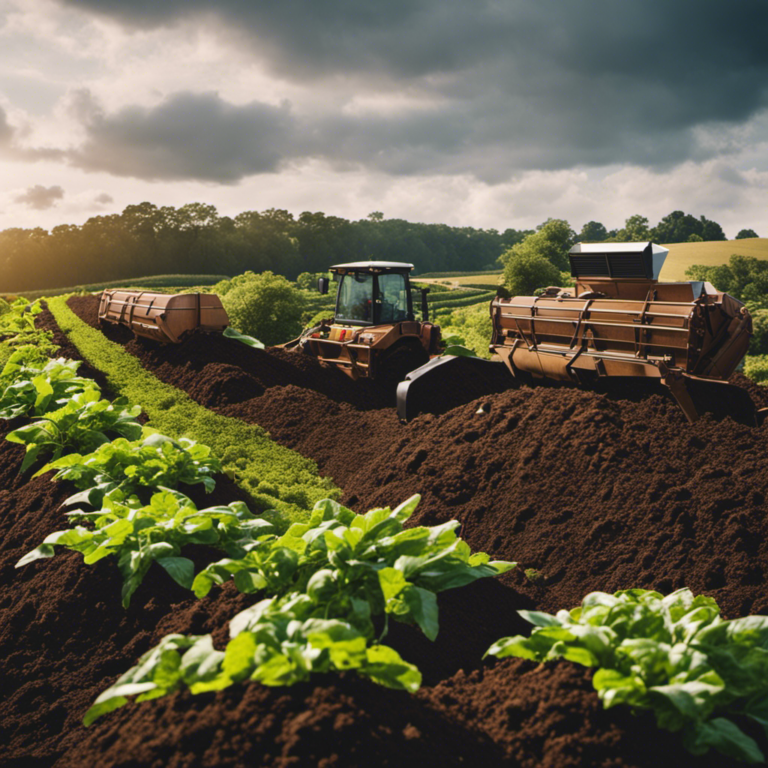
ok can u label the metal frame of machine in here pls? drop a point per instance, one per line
(619, 320)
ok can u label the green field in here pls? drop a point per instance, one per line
(711, 254)
(471, 278)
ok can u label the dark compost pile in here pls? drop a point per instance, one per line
(585, 490)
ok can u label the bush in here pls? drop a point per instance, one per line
(756, 368)
(266, 306)
(473, 325)
(4, 306)
(526, 272)
(551, 243)
(758, 344)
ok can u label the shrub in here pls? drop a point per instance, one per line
(526, 272)
(756, 368)
(266, 306)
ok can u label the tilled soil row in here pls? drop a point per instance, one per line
(585, 490)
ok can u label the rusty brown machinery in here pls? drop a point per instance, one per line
(163, 317)
(620, 321)
(374, 331)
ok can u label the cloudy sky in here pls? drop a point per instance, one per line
(491, 113)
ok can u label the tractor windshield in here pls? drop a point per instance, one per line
(355, 298)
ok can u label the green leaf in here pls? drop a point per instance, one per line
(540, 619)
(43, 551)
(181, 570)
(727, 738)
(231, 333)
(385, 667)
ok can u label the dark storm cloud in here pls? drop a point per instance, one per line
(187, 136)
(519, 84)
(39, 197)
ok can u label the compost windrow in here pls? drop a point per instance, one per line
(585, 490)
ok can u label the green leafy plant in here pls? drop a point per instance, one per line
(122, 468)
(673, 655)
(30, 386)
(246, 451)
(249, 341)
(17, 330)
(137, 535)
(84, 423)
(20, 317)
(359, 565)
(329, 579)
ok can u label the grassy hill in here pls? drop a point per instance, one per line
(683, 255)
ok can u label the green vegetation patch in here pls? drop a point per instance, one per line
(275, 477)
(324, 582)
(672, 655)
(161, 283)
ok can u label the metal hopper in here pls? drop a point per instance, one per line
(162, 317)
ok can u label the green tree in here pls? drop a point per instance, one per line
(635, 230)
(677, 227)
(593, 232)
(551, 242)
(746, 233)
(744, 277)
(266, 306)
(526, 272)
(694, 238)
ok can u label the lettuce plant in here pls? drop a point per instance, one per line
(83, 423)
(673, 655)
(138, 535)
(359, 565)
(123, 467)
(327, 580)
(30, 387)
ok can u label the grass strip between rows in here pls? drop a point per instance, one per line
(275, 477)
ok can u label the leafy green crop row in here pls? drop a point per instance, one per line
(153, 282)
(328, 581)
(72, 415)
(463, 301)
(17, 330)
(673, 655)
(275, 477)
(139, 535)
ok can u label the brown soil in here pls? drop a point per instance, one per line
(588, 490)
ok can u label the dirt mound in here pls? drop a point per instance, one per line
(586, 490)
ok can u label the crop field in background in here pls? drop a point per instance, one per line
(711, 254)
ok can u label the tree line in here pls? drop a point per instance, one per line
(194, 239)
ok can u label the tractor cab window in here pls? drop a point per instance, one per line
(392, 298)
(355, 298)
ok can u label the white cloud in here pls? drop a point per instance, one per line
(487, 114)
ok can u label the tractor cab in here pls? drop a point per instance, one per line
(371, 293)
(373, 330)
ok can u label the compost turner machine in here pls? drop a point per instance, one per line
(618, 321)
